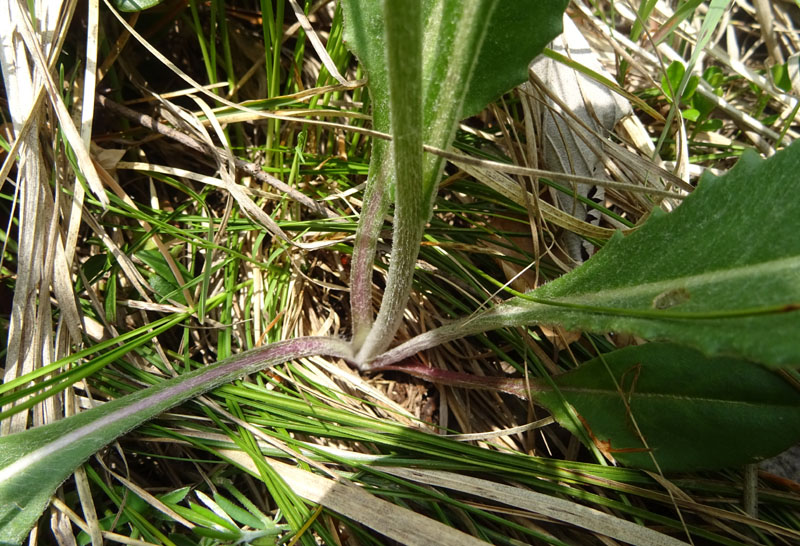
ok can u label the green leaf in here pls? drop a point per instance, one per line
(135, 5)
(721, 274)
(211, 519)
(94, 266)
(35, 462)
(672, 78)
(671, 81)
(158, 263)
(163, 281)
(174, 497)
(518, 31)
(691, 114)
(710, 125)
(165, 289)
(464, 53)
(781, 77)
(730, 251)
(239, 514)
(715, 77)
(695, 413)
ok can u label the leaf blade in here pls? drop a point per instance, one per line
(449, 50)
(506, 60)
(694, 413)
(721, 274)
(33, 463)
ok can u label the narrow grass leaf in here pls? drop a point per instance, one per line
(538, 503)
(239, 514)
(395, 522)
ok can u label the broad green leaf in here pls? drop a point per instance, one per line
(163, 281)
(721, 274)
(165, 289)
(516, 31)
(695, 413)
(781, 76)
(672, 79)
(659, 403)
(35, 462)
(158, 263)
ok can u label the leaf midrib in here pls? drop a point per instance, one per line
(637, 288)
(657, 395)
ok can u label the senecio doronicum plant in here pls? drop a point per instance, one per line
(722, 310)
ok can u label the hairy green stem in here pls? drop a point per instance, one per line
(403, 27)
(426, 96)
(376, 205)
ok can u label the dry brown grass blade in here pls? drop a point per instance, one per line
(65, 120)
(550, 213)
(249, 168)
(766, 23)
(650, 63)
(200, 89)
(538, 503)
(58, 504)
(644, 171)
(41, 263)
(317, 43)
(397, 523)
(226, 164)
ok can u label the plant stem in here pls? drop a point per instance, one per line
(403, 25)
(510, 385)
(414, 119)
(380, 185)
